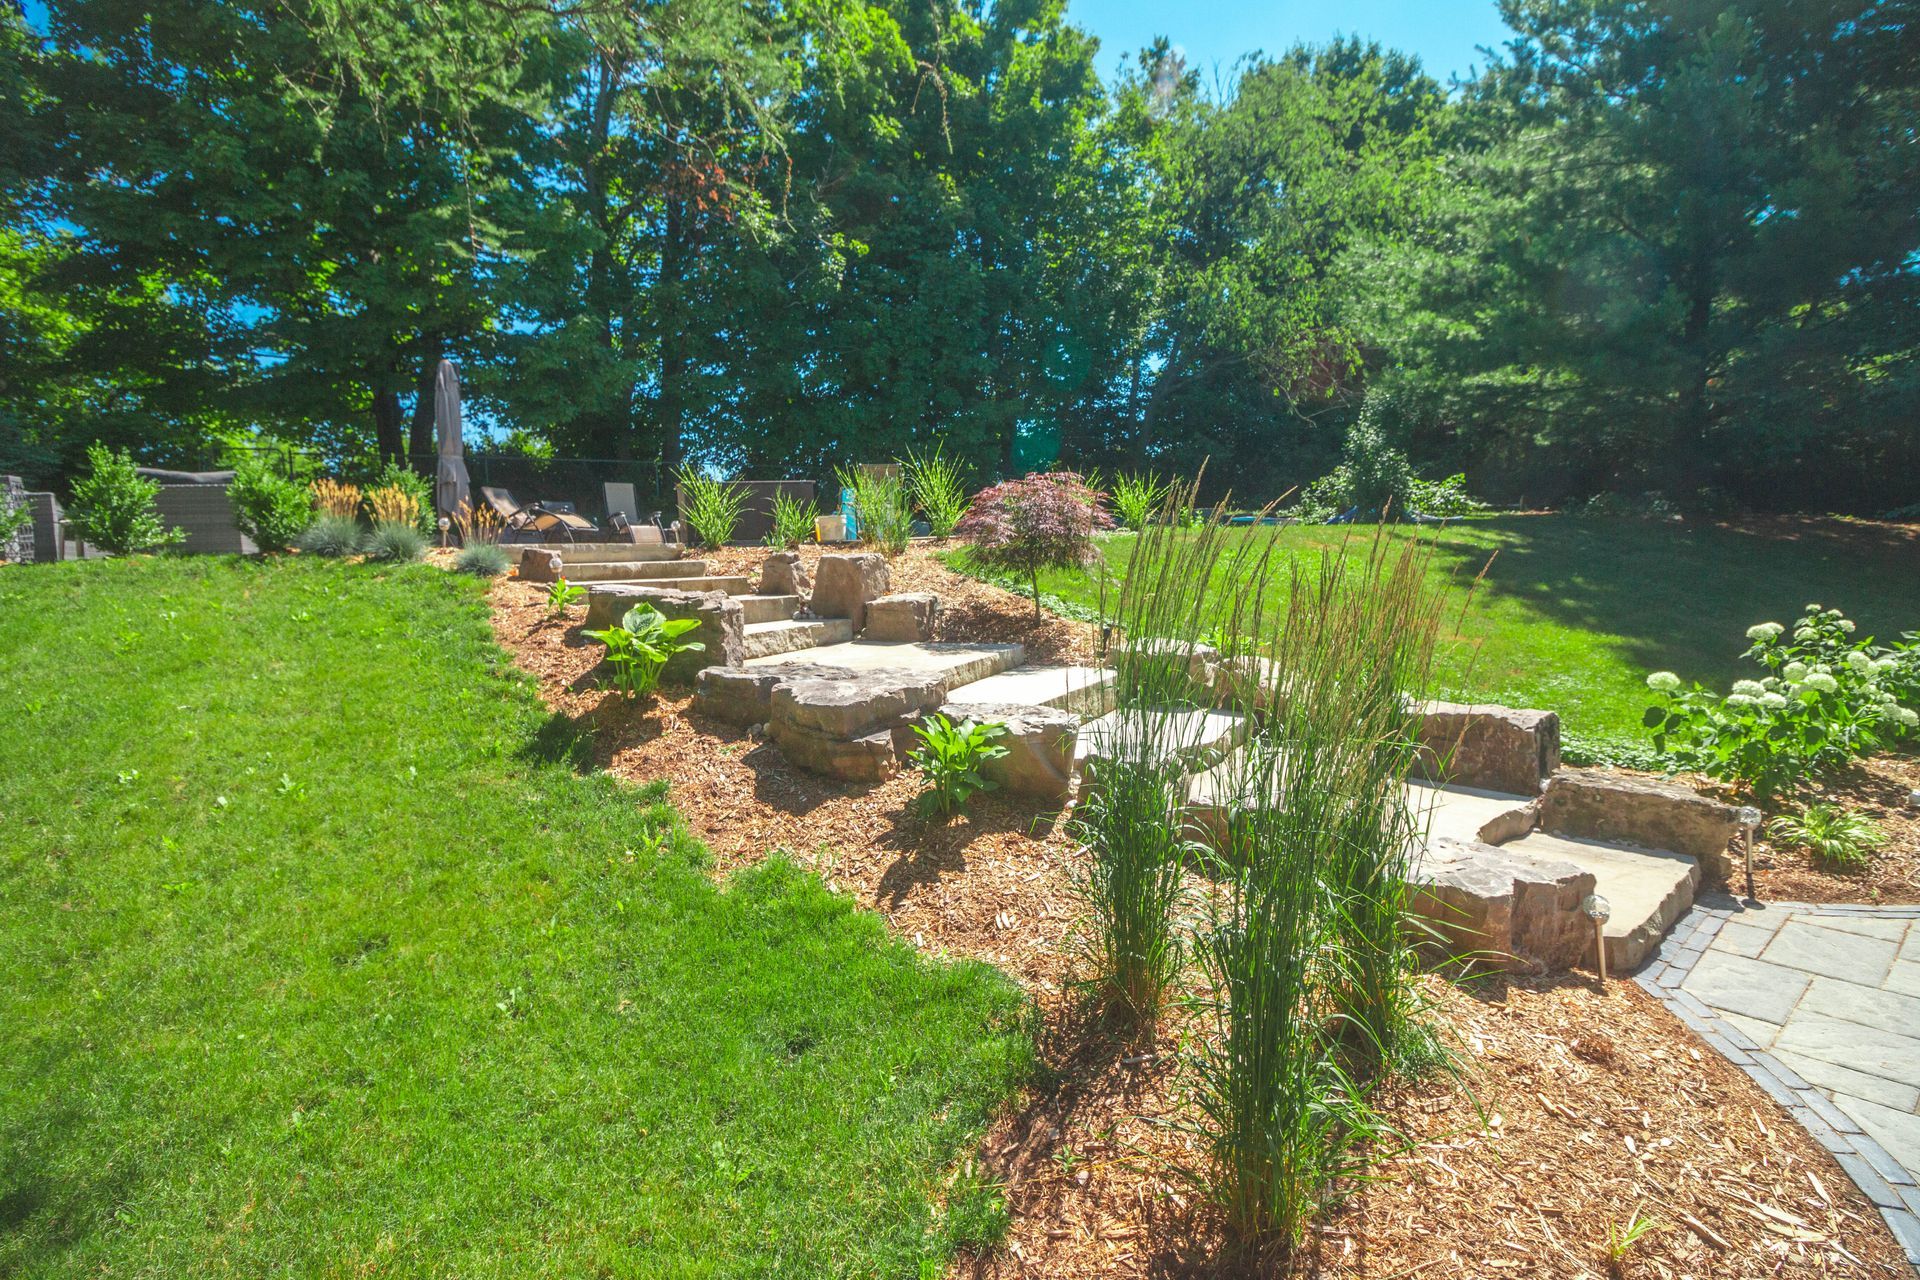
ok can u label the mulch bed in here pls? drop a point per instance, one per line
(1575, 1107)
(1878, 789)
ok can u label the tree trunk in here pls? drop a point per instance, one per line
(421, 444)
(388, 434)
(672, 325)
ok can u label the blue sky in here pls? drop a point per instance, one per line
(1444, 33)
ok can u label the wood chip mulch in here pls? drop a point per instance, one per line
(1877, 788)
(1574, 1107)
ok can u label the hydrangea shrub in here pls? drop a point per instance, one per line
(1824, 698)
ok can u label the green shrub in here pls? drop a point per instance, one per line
(331, 536)
(639, 648)
(394, 543)
(483, 560)
(949, 758)
(113, 507)
(1137, 497)
(881, 507)
(1824, 697)
(14, 518)
(269, 508)
(1839, 841)
(792, 520)
(1444, 498)
(939, 489)
(713, 506)
(398, 475)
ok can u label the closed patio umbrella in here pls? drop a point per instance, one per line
(450, 491)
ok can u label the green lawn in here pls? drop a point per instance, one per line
(318, 962)
(1573, 614)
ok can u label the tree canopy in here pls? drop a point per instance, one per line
(1667, 247)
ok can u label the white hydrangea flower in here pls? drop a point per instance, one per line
(1764, 631)
(1742, 699)
(1803, 633)
(1845, 624)
(1794, 671)
(1908, 717)
(1749, 688)
(1883, 666)
(1860, 662)
(1823, 682)
(1664, 682)
(1772, 702)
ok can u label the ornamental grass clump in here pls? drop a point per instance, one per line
(938, 486)
(711, 507)
(882, 506)
(1039, 522)
(335, 498)
(331, 536)
(792, 520)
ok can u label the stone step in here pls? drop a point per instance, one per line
(769, 608)
(952, 665)
(1649, 890)
(727, 586)
(1085, 691)
(598, 552)
(1194, 738)
(633, 570)
(791, 635)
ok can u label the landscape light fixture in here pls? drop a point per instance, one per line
(1750, 820)
(1598, 910)
(445, 524)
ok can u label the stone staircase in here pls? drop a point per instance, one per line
(619, 574)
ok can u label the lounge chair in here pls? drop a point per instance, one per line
(547, 522)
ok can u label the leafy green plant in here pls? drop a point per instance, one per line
(1445, 498)
(1839, 840)
(331, 536)
(483, 560)
(949, 758)
(713, 507)
(939, 489)
(792, 520)
(1622, 1237)
(1824, 698)
(561, 595)
(391, 542)
(269, 508)
(113, 506)
(1137, 497)
(881, 506)
(13, 518)
(640, 647)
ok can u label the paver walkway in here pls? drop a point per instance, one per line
(1821, 1005)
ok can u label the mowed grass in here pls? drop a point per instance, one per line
(1572, 614)
(319, 963)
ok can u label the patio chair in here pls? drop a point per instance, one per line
(548, 522)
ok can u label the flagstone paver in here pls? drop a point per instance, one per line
(1821, 1006)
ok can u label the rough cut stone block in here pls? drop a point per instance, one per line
(852, 704)
(1498, 909)
(1490, 747)
(908, 617)
(1246, 682)
(870, 757)
(1039, 743)
(1596, 804)
(539, 564)
(844, 585)
(722, 629)
(783, 574)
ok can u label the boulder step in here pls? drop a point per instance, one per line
(630, 570)
(599, 552)
(1085, 691)
(1648, 890)
(769, 608)
(768, 639)
(1195, 738)
(731, 586)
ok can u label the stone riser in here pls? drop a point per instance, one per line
(760, 609)
(634, 570)
(595, 552)
(766, 639)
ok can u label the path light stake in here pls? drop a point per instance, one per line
(1598, 909)
(445, 524)
(1750, 819)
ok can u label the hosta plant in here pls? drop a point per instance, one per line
(562, 595)
(949, 758)
(639, 648)
(1838, 840)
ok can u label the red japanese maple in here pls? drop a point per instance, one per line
(1041, 521)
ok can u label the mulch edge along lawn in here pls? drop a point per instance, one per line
(321, 958)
